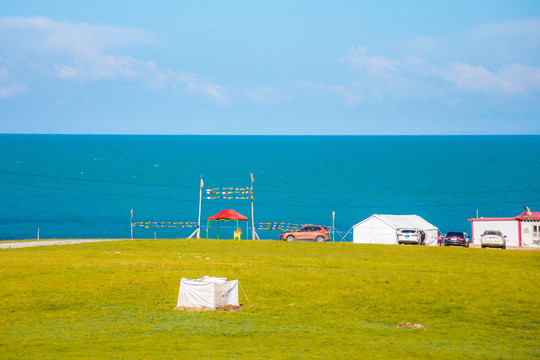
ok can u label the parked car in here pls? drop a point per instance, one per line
(456, 238)
(493, 238)
(307, 232)
(411, 236)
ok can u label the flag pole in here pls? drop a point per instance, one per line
(200, 200)
(252, 218)
(333, 227)
(131, 223)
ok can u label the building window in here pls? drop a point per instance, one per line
(536, 231)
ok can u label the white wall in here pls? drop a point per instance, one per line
(374, 231)
(507, 227)
(527, 238)
(431, 238)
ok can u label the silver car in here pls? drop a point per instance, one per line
(411, 236)
(493, 238)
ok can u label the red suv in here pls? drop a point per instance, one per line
(307, 232)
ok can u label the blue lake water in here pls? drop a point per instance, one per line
(82, 186)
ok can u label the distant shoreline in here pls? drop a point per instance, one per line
(280, 135)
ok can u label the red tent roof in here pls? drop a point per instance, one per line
(228, 215)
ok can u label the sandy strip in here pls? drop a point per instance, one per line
(22, 244)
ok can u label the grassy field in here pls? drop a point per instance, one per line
(333, 300)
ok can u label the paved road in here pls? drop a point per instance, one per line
(22, 244)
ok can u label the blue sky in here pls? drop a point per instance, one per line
(270, 67)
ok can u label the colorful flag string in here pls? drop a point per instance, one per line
(165, 224)
(228, 190)
(227, 197)
(282, 226)
(228, 193)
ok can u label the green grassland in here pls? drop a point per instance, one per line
(332, 300)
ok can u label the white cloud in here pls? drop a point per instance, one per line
(376, 64)
(526, 29)
(269, 95)
(377, 77)
(197, 86)
(495, 59)
(510, 80)
(523, 77)
(350, 94)
(8, 89)
(42, 36)
(87, 52)
(470, 77)
(11, 90)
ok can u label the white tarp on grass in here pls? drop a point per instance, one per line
(207, 292)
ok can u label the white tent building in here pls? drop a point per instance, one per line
(382, 229)
(207, 292)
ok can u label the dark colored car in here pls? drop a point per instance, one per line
(456, 238)
(307, 232)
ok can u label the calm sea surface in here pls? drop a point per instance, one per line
(79, 186)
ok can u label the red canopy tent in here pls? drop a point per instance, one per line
(227, 215)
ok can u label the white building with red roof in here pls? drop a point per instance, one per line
(522, 230)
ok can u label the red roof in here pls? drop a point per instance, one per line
(228, 215)
(533, 215)
(493, 219)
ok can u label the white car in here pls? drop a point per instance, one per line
(411, 236)
(493, 238)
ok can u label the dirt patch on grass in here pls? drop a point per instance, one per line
(410, 326)
(222, 308)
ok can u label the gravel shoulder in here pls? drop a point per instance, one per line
(23, 244)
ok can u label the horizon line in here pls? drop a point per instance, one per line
(188, 134)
